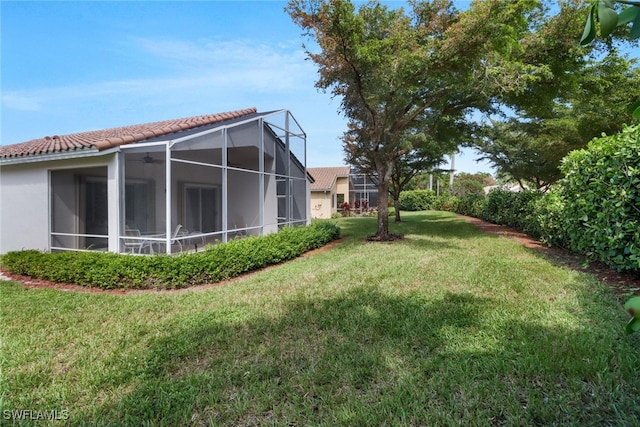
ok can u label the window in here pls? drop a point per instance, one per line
(339, 200)
(137, 205)
(79, 208)
(201, 208)
(95, 205)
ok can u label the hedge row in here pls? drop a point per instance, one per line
(416, 200)
(601, 195)
(422, 200)
(593, 210)
(216, 263)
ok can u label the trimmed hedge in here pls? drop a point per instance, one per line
(515, 210)
(416, 200)
(216, 263)
(593, 210)
(472, 205)
(601, 195)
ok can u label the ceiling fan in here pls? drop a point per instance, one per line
(148, 160)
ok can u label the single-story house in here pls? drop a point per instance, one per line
(332, 186)
(158, 187)
(365, 189)
(512, 187)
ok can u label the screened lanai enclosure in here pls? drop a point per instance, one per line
(186, 190)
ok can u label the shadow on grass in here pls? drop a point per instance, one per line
(303, 364)
(426, 225)
(360, 358)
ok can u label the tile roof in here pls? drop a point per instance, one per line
(326, 177)
(109, 138)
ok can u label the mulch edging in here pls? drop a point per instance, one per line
(30, 283)
(622, 284)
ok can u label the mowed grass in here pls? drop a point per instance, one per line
(449, 327)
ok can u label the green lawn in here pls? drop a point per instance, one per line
(447, 327)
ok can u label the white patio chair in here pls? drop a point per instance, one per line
(133, 245)
(178, 232)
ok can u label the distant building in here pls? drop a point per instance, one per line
(512, 187)
(338, 184)
(365, 188)
(331, 188)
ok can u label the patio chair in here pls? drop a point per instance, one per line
(133, 245)
(178, 232)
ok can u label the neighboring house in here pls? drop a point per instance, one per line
(332, 186)
(365, 189)
(156, 187)
(512, 187)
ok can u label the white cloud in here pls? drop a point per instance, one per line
(239, 64)
(205, 68)
(22, 101)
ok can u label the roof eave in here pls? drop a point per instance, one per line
(35, 158)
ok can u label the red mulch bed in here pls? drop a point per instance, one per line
(31, 283)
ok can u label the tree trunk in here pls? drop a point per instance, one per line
(384, 175)
(383, 210)
(396, 206)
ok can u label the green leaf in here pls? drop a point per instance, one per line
(636, 113)
(633, 108)
(635, 29)
(628, 15)
(608, 18)
(589, 32)
(633, 325)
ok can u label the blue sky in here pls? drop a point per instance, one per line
(76, 66)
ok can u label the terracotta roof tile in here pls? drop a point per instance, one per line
(326, 177)
(109, 138)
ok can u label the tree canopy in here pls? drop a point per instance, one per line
(584, 94)
(400, 74)
(609, 19)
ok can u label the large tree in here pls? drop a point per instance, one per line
(429, 150)
(395, 71)
(583, 94)
(530, 146)
(622, 21)
(405, 169)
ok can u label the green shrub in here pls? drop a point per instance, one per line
(446, 202)
(601, 195)
(216, 263)
(549, 214)
(463, 188)
(515, 210)
(524, 213)
(497, 205)
(416, 200)
(471, 205)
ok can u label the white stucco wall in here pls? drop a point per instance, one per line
(25, 201)
(24, 208)
(320, 205)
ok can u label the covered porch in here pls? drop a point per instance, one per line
(179, 193)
